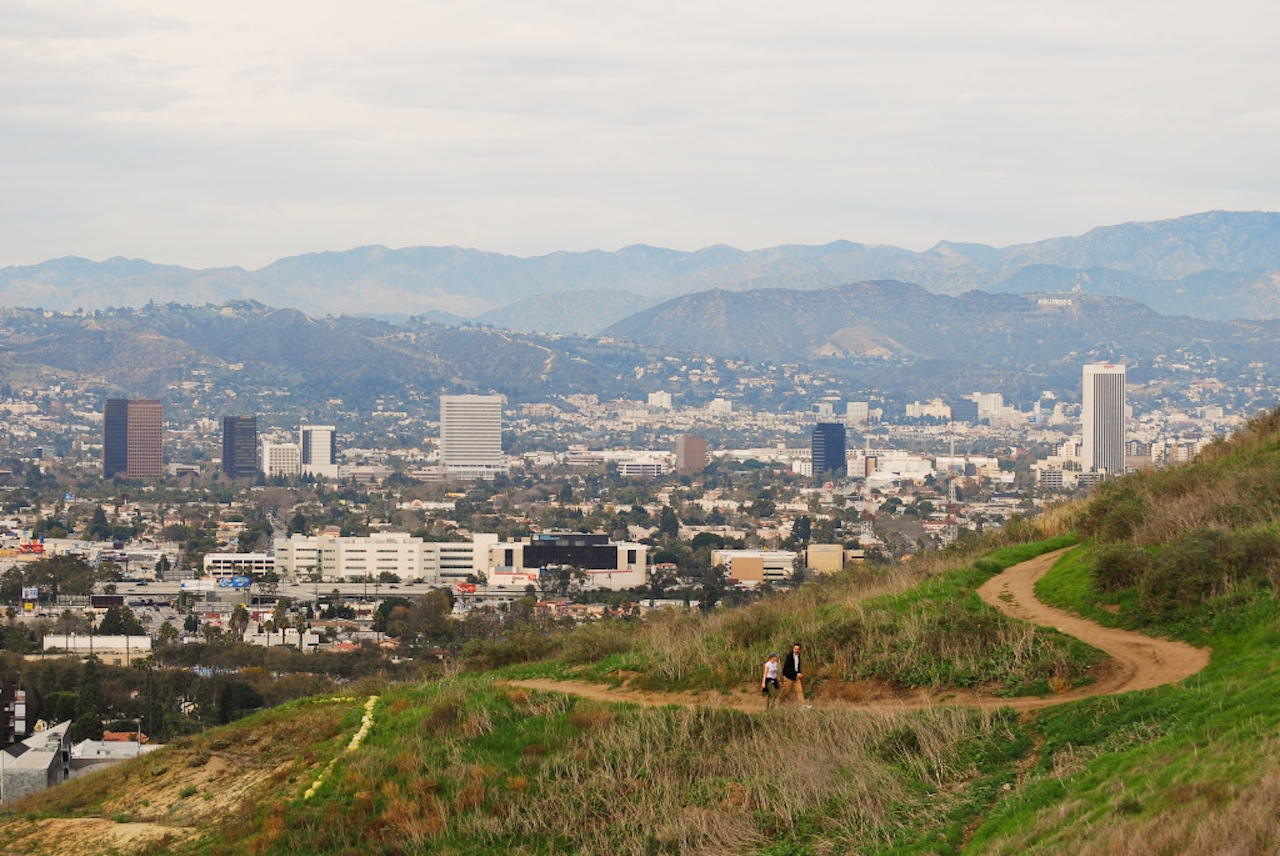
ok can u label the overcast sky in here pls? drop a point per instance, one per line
(236, 132)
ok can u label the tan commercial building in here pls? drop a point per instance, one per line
(830, 558)
(752, 567)
(691, 454)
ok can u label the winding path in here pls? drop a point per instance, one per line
(1137, 662)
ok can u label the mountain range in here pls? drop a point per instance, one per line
(891, 337)
(287, 357)
(1216, 266)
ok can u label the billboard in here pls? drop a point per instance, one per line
(235, 582)
(30, 593)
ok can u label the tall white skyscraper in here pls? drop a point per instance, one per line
(471, 436)
(281, 459)
(319, 450)
(1103, 419)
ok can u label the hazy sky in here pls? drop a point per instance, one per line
(236, 132)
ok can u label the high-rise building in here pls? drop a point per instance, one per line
(660, 400)
(964, 410)
(691, 454)
(240, 446)
(828, 450)
(281, 459)
(471, 436)
(319, 450)
(1103, 419)
(133, 438)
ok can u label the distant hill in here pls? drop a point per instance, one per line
(1216, 265)
(570, 312)
(893, 337)
(248, 348)
(1036, 335)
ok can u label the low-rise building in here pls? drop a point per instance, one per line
(226, 565)
(112, 650)
(36, 764)
(606, 564)
(90, 755)
(753, 567)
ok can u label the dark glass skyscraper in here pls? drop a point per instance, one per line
(828, 450)
(240, 446)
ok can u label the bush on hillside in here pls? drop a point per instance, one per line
(1203, 563)
(1117, 509)
(519, 647)
(1119, 565)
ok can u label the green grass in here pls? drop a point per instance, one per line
(1162, 764)
(472, 765)
(469, 765)
(922, 628)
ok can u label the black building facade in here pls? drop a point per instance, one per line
(577, 549)
(240, 446)
(964, 410)
(115, 437)
(828, 450)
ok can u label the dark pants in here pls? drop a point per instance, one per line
(770, 692)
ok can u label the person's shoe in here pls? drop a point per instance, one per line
(808, 707)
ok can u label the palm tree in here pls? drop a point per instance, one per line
(239, 621)
(281, 615)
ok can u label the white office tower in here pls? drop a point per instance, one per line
(471, 436)
(1103, 418)
(660, 400)
(281, 459)
(319, 451)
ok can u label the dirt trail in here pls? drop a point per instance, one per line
(1137, 662)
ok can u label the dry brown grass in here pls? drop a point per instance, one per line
(705, 781)
(1059, 518)
(1232, 484)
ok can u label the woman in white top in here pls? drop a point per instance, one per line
(769, 680)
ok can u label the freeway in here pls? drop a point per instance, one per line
(310, 592)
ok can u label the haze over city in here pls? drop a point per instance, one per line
(235, 133)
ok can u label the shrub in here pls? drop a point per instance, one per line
(523, 647)
(596, 640)
(1202, 563)
(1116, 511)
(1119, 565)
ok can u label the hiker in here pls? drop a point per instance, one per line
(769, 680)
(792, 672)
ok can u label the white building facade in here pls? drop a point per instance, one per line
(1102, 415)
(281, 459)
(319, 450)
(471, 436)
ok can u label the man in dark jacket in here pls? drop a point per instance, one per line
(792, 672)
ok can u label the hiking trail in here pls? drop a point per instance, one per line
(1137, 662)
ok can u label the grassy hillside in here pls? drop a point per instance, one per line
(1193, 553)
(474, 764)
(915, 626)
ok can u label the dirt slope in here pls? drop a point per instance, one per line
(1137, 662)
